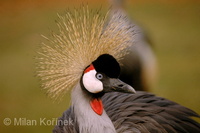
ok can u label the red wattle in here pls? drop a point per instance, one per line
(97, 106)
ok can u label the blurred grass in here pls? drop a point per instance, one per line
(173, 28)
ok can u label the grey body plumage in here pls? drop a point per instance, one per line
(141, 113)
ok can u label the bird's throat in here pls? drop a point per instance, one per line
(97, 105)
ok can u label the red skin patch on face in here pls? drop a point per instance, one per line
(96, 103)
(97, 106)
(91, 67)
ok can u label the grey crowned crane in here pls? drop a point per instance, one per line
(85, 57)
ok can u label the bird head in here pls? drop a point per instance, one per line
(102, 76)
(85, 38)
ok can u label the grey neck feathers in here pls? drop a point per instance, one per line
(88, 121)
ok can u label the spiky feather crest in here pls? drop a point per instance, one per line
(83, 36)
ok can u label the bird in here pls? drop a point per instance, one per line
(139, 67)
(84, 57)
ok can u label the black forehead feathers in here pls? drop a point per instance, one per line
(108, 65)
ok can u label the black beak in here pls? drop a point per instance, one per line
(114, 84)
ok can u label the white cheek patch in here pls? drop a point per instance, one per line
(91, 83)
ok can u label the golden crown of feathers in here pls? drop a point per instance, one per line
(84, 34)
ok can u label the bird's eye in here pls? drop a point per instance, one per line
(99, 76)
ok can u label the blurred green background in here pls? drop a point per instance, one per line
(173, 26)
